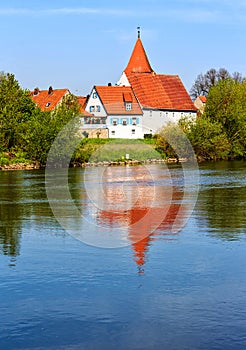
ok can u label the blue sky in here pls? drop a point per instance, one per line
(75, 44)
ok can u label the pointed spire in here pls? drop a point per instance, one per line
(138, 62)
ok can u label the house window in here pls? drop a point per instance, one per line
(98, 108)
(150, 113)
(160, 114)
(128, 106)
(94, 95)
(182, 115)
(92, 108)
(114, 122)
(124, 122)
(133, 131)
(113, 132)
(167, 114)
(134, 121)
(173, 115)
(47, 104)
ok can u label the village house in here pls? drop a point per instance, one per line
(117, 108)
(49, 99)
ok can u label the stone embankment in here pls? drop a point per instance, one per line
(20, 166)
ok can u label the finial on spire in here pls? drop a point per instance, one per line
(139, 32)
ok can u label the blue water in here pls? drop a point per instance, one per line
(173, 290)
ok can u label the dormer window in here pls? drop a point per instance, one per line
(47, 104)
(94, 95)
(128, 106)
(92, 109)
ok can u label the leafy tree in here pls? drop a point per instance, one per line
(226, 104)
(173, 142)
(207, 137)
(44, 127)
(16, 108)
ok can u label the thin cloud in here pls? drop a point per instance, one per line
(64, 11)
(186, 14)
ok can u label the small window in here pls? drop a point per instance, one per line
(47, 104)
(182, 115)
(166, 114)
(114, 122)
(133, 131)
(98, 108)
(150, 113)
(112, 132)
(134, 121)
(94, 95)
(128, 106)
(173, 115)
(124, 122)
(160, 114)
(92, 108)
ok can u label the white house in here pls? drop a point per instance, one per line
(162, 98)
(118, 108)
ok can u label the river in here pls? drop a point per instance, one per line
(147, 264)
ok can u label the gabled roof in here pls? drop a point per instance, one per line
(114, 98)
(159, 91)
(47, 100)
(155, 91)
(82, 100)
(138, 62)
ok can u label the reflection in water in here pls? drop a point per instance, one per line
(152, 206)
(10, 214)
(222, 200)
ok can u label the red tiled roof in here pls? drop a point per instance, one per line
(82, 102)
(138, 62)
(112, 98)
(46, 101)
(203, 99)
(160, 91)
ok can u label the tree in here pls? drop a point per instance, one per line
(226, 104)
(16, 108)
(207, 138)
(44, 127)
(204, 82)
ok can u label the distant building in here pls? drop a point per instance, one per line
(163, 98)
(49, 99)
(200, 103)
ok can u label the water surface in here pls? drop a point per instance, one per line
(170, 290)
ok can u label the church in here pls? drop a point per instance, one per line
(141, 102)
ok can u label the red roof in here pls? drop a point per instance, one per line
(203, 99)
(160, 91)
(115, 97)
(47, 100)
(153, 90)
(138, 62)
(82, 102)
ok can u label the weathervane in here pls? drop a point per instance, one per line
(138, 28)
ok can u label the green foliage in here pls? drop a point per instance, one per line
(207, 138)
(43, 128)
(16, 108)
(173, 142)
(226, 105)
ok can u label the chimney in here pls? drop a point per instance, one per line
(109, 84)
(50, 91)
(36, 91)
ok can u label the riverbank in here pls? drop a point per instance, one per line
(36, 166)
